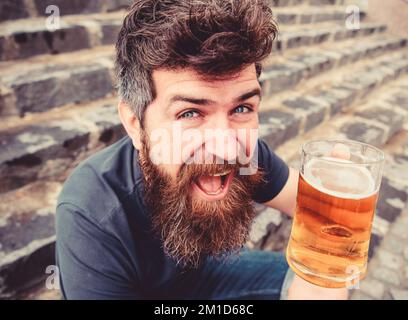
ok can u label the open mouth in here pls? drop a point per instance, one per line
(213, 187)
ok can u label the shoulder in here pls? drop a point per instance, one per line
(100, 183)
(262, 147)
(266, 156)
(275, 173)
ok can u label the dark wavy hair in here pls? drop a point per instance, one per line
(215, 38)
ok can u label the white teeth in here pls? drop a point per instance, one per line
(221, 174)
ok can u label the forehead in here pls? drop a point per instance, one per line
(171, 82)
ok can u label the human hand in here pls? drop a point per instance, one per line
(302, 290)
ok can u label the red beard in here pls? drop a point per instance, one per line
(192, 229)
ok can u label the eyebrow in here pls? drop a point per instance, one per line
(206, 102)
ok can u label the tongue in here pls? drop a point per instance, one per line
(209, 183)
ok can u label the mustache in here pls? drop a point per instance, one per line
(194, 171)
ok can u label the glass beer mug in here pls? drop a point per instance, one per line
(336, 200)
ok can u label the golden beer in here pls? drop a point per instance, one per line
(331, 230)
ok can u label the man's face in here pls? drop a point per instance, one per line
(195, 132)
(200, 107)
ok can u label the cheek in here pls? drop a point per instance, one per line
(249, 123)
(248, 136)
(254, 123)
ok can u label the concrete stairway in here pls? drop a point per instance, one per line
(58, 106)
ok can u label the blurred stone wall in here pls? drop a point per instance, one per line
(394, 13)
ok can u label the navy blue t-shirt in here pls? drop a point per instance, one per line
(105, 247)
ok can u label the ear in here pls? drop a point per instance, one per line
(130, 122)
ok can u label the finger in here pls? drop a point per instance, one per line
(340, 151)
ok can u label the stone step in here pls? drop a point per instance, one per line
(40, 84)
(306, 15)
(282, 73)
(387, 272)
(387, 109)
(290, 114)
(21, 9)
(27, 236)
(285, 3)
(313, 34)
(21, 39)
(39, 292)
(47, 146)
(71, 78)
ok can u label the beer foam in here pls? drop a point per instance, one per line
(339, 179)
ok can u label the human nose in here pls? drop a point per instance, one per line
(223, 144)
(221, 140)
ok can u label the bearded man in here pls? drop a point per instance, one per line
(165, 212)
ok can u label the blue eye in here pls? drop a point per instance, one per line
(189, 114)
(242, 109)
